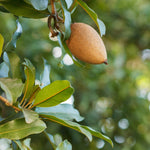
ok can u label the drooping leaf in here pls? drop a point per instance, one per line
(93, 15)
(18, 129)
(53, 94)
(87, 131)
(65, 145)
(20, 8)
(62, 111)
(1, 44)
(14, 64)
(64, 47)
(39, 4)
(69, 124)
(30, 116)
(98, 134)
(12, 44)
(67, 17)
(12, 87)
(24, 145)
(30, 78)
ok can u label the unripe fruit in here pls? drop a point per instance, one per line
(86, 44)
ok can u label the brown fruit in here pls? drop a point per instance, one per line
(86, 44)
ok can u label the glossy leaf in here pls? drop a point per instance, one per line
(1, 44)
(98, 134)
(62, 111)
(65, 145)
(69, 124)
(30, 78)
(4, 69)
(12, 44)
(20, 8)
(53, 94)
(87, 131)
(15, 65)
(39, 4)
(30, 116)
(18, 129)
(93, 15)
(44, 76)
(12, 87)
(67, 17)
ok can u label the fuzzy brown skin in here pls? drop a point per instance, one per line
(86, 44)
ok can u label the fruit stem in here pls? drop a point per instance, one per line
(53, 7)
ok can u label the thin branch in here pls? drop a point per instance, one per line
(8, 103)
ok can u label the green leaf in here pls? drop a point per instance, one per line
(12, 44)
(4, 69)
(15, 65)
(30, 116)
(1, 44)
(18, 129)
(12, 87)
(64, 47)
(53, 94)
(87, 131)
(65, 145)
(44, 76)
(93, 15)
(62, 111)
(30, 78)
(67, 17)
(98, 134)
(39, 4)
(24, 145)
(20, 8)
(69, 124)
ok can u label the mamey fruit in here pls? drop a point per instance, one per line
(86, 44)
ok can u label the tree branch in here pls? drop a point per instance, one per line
(8, 103)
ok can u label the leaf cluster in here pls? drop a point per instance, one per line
(19, 87)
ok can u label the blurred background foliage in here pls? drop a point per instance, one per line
(113, 98)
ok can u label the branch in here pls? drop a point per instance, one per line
(8, 103)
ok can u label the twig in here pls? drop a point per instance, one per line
(8, 103)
